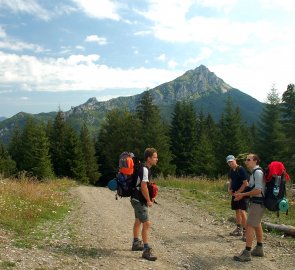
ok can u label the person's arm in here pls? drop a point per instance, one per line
(257, 190)
(243, 186)
(229, 189)
(145, 193)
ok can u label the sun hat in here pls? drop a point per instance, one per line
(230, 158)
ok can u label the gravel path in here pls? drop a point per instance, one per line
(98, 233)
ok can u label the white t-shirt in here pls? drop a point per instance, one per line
(258, 182)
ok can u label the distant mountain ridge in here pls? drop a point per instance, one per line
(200, 86)
(2, 118)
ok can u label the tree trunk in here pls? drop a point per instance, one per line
(290, 230)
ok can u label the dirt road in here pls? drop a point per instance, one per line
(183, 237)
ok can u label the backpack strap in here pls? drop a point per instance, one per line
(257, 169)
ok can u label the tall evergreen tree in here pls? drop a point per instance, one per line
(7, 165)
(35, 150)
(205, 155)
(75, 166)
(232, 139)
(184, 139)
(57, 144)
(270, 134)
(15, 147)
(88, 149)
(121, 131)
(288, 99)
(207, 147)
(155, 133)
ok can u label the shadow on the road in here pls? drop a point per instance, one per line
(82, 251)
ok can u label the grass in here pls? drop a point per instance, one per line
(26, 203)
(7, 264)
(212, 196)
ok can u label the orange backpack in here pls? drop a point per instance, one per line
(126, 163)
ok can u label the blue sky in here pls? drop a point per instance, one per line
(59, 53)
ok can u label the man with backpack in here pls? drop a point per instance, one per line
(141, 201)
(238, 181)
(256, 209)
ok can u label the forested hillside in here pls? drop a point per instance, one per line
(207, 92)
(192, 144)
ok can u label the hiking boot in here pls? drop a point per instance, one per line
(148, 255)
(236, 232)
(244, 235)
(137, 246)
(257, 251)
(245, 256)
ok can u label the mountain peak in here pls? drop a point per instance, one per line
(193, 84)
(91, 101)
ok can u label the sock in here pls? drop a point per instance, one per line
(146, 246)
(248, 248)
(135, 239)
(259, 244)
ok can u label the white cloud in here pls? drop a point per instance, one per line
(24, 98)
(286, 5)
(96, 39)
(10, 43)
(79, 47)
(161, 57)
(172, 64)
(225, 5)
(31, 7)
(143, 33)
(255, 71)
(203, 55)
(76, 72)
(102, 9)
(180, 26)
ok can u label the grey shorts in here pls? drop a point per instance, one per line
(255, 214)
(141, 210)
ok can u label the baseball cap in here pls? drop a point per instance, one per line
(230, 158)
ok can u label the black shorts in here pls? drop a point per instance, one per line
(239, 205)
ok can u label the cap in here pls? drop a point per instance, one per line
(230, 158)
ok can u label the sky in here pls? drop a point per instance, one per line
(59, 53)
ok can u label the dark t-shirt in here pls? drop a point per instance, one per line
(237, 177)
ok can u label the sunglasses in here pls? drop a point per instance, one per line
(248, 159)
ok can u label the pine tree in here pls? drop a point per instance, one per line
(205, 155)
(35, 150)
(154, 133)
(232, 139)
(88, 149)
(57, 144)
(207, 147)
(75, 166)
(288, 99)
(7, 165)
(15, 145)
(184, 139)
(120, 132)
(270, 133)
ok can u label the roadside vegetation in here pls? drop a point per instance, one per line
(26, 204)
(212, 196)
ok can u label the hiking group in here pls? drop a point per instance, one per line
(254, 195)
(263, 189)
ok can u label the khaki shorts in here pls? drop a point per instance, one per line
(255, 214)
(141, 210)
